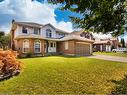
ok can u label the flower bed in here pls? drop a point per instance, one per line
(9, 65)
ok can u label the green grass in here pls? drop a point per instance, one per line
(65, 75)
(112, 54)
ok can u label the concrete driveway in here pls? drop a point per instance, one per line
(110, 58)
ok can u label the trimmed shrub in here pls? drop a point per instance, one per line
(29, 55)
(124, 51)
(9, 66)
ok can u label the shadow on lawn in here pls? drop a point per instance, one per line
(121, 86)
(8, 76)
(75, 56)
(64, 56)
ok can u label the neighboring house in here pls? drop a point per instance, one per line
(41, 39)
(106, 44)
(102, 46)
(114, 42)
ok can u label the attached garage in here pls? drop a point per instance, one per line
(76, 46)
(82, 49)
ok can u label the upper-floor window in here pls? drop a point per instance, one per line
(61, 35)
(48, 33)
(37, 31)
(24, 30)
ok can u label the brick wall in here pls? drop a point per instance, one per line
(70, 50)
(71, 47)
(19, 46)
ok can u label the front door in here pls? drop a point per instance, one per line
(51, 46)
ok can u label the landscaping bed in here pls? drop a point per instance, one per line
(9, 65)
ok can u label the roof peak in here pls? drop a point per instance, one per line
(29, 23)
(39, 25)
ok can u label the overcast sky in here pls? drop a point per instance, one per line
(36, 11)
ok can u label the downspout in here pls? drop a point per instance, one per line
(47, 44)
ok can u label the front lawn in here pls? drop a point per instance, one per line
(65, 75)
(112, 54)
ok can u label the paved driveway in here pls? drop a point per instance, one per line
(110, 58)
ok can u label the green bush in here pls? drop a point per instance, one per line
(29, 55)
(124, 51)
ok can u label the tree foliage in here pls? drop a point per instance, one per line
(2, 33)
(4, 40)
(106, 16)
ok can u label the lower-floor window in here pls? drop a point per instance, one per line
(26, 46)
(37, 46)
(66, 45)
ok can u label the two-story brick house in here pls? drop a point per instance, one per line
(44, 39)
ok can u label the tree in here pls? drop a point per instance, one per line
(1, 33)
(123, 42)
(4, 40)
(106, 16)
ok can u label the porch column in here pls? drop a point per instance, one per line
(100, 47)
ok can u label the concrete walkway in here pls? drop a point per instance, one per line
(110, 58)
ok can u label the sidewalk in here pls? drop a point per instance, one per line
(110, 58)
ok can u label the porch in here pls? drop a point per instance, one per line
(50, 47)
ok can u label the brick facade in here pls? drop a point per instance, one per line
(70, 50)
(72, 44)
(19, 46)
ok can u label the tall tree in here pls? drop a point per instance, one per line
(106, 16)
(2, 33)
(4, 40)
(122, 42)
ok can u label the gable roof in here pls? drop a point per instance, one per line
(112, 39)
(79, 32)
(49, 25)
(76, 37)
(29, 36)
(66, 38)
(76, 33)
(57, 30)
(32, 24)
(102, 42)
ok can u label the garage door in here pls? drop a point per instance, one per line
(82, 49)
